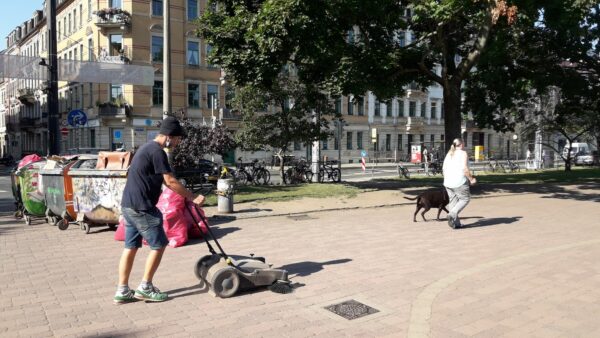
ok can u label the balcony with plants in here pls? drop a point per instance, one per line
(113, 18)
(117, 108)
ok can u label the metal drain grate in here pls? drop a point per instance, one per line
(300, 217)
(351, 309)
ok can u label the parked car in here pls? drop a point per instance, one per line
(585, 158)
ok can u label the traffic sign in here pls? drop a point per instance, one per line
(363, 153)
(64, 131)
(77, 118)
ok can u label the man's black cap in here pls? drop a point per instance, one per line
(171, 127)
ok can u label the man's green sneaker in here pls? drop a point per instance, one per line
(124, 297)
(151, 294)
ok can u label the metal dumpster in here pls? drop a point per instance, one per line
(58, 189)
(97, 195)
(31, 190)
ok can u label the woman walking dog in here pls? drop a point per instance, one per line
(457, 179)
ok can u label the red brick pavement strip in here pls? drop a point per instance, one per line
(61, 283)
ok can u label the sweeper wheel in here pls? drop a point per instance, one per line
(201, 268)
(225, 282)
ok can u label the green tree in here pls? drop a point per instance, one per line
(557, 56)
(201, 140)
(299, 114)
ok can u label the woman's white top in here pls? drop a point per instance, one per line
(454, 169)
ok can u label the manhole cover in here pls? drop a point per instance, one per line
(351, 309)
(300, 217)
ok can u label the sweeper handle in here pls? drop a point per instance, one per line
(212, 251)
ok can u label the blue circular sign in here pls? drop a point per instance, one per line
(77, 118)
(363, 153)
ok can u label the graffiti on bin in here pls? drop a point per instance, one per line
(98, 198)
(32, 186)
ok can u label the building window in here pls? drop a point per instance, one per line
(157, 7)
(81, 52)
(92, 138)
(402, 38)
(74, 20)
(388, 111)
(349, 140)
(399, 146)
(90, 50)
(80, 15)
(193, 52)
(400, 108)
(422, 138)
(325, 144)
(442, 112)
(157, 48)
(433, 109)
(59, 31)
(116, 92)
(114, 3)
(212, 92)
(338, 106)
(359, 140)
(89, 9)
(192, 9)
(297, 146)
(116, 44)
(361, 106)
(377, 108)
(350, 107)
(75, 54)
(91, 95)
(351, 36)
(412, 108)
(336, 143)
(388, 142)
(157, 93)
(69, 29)
(193, 95)
(423, 107)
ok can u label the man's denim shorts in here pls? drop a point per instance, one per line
(146, 224)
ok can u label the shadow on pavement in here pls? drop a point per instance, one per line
(195, 289)
(252, 210)
(219, 219)
(491, 221)
(302, 269)
(217, 232)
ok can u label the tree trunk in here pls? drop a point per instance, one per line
(452, 113)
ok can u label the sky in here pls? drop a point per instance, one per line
(13, 13)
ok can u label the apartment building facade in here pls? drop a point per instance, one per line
(119, 115)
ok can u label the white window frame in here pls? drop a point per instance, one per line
(187, 93)
(199, 52)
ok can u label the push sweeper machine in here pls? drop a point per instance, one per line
(225, 275)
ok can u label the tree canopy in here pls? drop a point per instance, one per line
(350, 47)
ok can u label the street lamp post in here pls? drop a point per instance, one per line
(515, 138)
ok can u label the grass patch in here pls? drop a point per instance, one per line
(291, 192)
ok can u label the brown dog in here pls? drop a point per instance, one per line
(431, 199)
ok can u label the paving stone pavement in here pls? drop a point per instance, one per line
(525, 267)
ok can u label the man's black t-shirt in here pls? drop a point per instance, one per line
(145, 177)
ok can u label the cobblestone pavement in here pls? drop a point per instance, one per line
(526, 266)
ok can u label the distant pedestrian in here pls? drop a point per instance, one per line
(149, 170)
(457, 179)
(425, 159)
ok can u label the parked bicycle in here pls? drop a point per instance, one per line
(299, 172)
(327, 171)
(435, 168)
(512, 166)
(494, 166)
(253, 172)
(402, 171)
